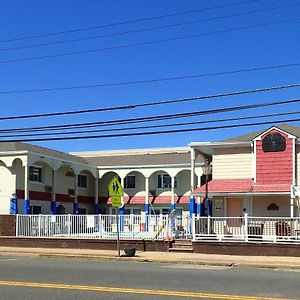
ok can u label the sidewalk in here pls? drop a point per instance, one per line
(160, 257)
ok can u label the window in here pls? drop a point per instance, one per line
(81, 211)
(164, 181)
(82, 181)
(35, 209)
(129, 182)
(273, 142)
(35, 174)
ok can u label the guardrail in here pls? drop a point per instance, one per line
(94, 226)
(246, 229)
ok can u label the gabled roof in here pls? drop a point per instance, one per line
(294, 130)
(18, 146)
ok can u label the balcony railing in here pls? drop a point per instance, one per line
(246, 229)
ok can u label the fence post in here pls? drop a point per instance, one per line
(193, 233)
(39, 224)
(208, 225)
(131, 225)
(69, 225)
(17, 225)
(246, 226)
(100, 225)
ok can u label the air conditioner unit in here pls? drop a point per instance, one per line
(71, 192)
(48, 189)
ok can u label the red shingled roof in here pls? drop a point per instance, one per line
(271, 188)
(227, 186)
(241, 186)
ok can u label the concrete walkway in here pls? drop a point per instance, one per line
(160, 257)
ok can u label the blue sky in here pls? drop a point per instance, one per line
(270, 45)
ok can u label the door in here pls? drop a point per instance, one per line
(234, 214)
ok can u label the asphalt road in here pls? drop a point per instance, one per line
(45, 278)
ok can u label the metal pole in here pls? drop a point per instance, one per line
(118, 233)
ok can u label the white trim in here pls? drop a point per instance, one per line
(258, 138)
(294, 161)
(131, 151)
(219, 144)
(186, 166)
(254, 161)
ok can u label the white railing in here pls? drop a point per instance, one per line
(95, 226)
(246, 229)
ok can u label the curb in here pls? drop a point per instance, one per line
(166, 261)
(153, 260)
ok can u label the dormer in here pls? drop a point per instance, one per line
(274, 152)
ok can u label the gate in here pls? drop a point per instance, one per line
(181, 227)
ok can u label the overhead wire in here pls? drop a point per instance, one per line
(118, 135)
(162, 79)
(151, 118)
(155, 126)
(153, 42)
(147, 28)
(80, 29)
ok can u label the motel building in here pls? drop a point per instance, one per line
(257, 173)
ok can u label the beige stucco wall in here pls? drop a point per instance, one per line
(233, 163)
(260, 204)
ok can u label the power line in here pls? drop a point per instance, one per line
(149, 132)
(147, 43)
(99, 85)
(151, 118)
(147, 28)
(160, 102)
(154, 126)
(80, 29)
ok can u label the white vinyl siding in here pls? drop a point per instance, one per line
(232, 164)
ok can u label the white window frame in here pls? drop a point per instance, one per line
(83, 175)
(126, 182)
(165, 186)
(40, 174)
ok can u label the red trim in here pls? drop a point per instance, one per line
(142, 199)
(43, 196)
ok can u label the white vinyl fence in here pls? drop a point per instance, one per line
(246, 229)
(101, 226)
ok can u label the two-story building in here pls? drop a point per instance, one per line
(257, 173)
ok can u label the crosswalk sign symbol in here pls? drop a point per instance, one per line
(115, 188)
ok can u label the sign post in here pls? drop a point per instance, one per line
(115, 191)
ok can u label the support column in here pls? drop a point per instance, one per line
(292, 201)
(172, 193)
(192, 198)
(96, 206)
(53, 207)
(75, 203)
(26, 209)
(147, 206)
(193, 157)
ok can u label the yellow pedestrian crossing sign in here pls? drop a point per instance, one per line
(115, 191)
(115, 188)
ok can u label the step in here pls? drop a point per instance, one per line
(182, 250)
